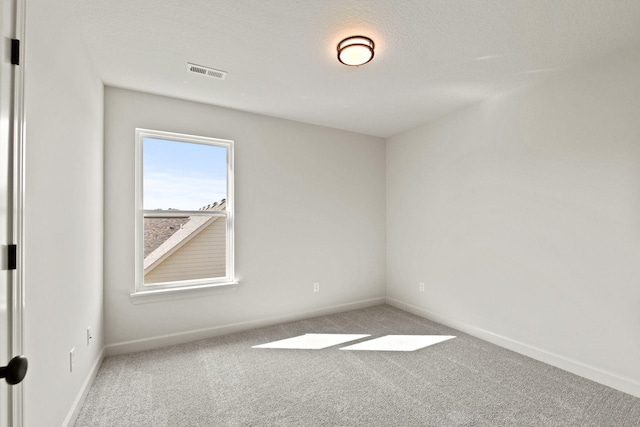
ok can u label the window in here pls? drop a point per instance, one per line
(184, 197)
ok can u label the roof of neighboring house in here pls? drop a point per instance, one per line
(158, 230)
(172, 233)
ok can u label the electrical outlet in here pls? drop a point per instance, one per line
(316, 287)
(89, 335)
(421, 286)
(71, 357)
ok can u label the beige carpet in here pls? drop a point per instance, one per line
(460, 382)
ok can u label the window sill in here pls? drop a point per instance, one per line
(167, 294)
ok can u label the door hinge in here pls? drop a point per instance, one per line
(15, 51)
(12, 257)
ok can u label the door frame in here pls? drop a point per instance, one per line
(17, 304)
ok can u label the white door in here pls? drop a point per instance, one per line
(9, 79)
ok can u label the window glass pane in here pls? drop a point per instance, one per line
(193, 248)
(159, 230)
(182, 175)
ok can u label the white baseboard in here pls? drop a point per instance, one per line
(84, 390)
(587, 371)
(195, 335)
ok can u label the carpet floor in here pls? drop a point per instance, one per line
(463, 381)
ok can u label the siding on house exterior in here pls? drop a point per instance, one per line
(203, 256)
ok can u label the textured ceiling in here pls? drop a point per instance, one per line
(432, 57)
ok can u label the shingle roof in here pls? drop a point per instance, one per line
(157, 230)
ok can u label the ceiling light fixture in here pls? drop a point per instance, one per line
(355, 50)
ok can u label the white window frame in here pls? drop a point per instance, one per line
(165, 289)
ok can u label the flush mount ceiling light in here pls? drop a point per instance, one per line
(356, 50)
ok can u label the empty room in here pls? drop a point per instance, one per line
(320, 213)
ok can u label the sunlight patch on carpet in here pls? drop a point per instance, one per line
(399, 343)
(312, 341)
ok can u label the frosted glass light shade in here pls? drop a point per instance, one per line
(356, 50)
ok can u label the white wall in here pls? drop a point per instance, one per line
(64, 212)
(522, 217)
(310, 207)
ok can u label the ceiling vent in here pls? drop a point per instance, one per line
(206, 71)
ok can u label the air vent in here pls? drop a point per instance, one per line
(206, 71)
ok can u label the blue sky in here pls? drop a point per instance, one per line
(179, 175)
